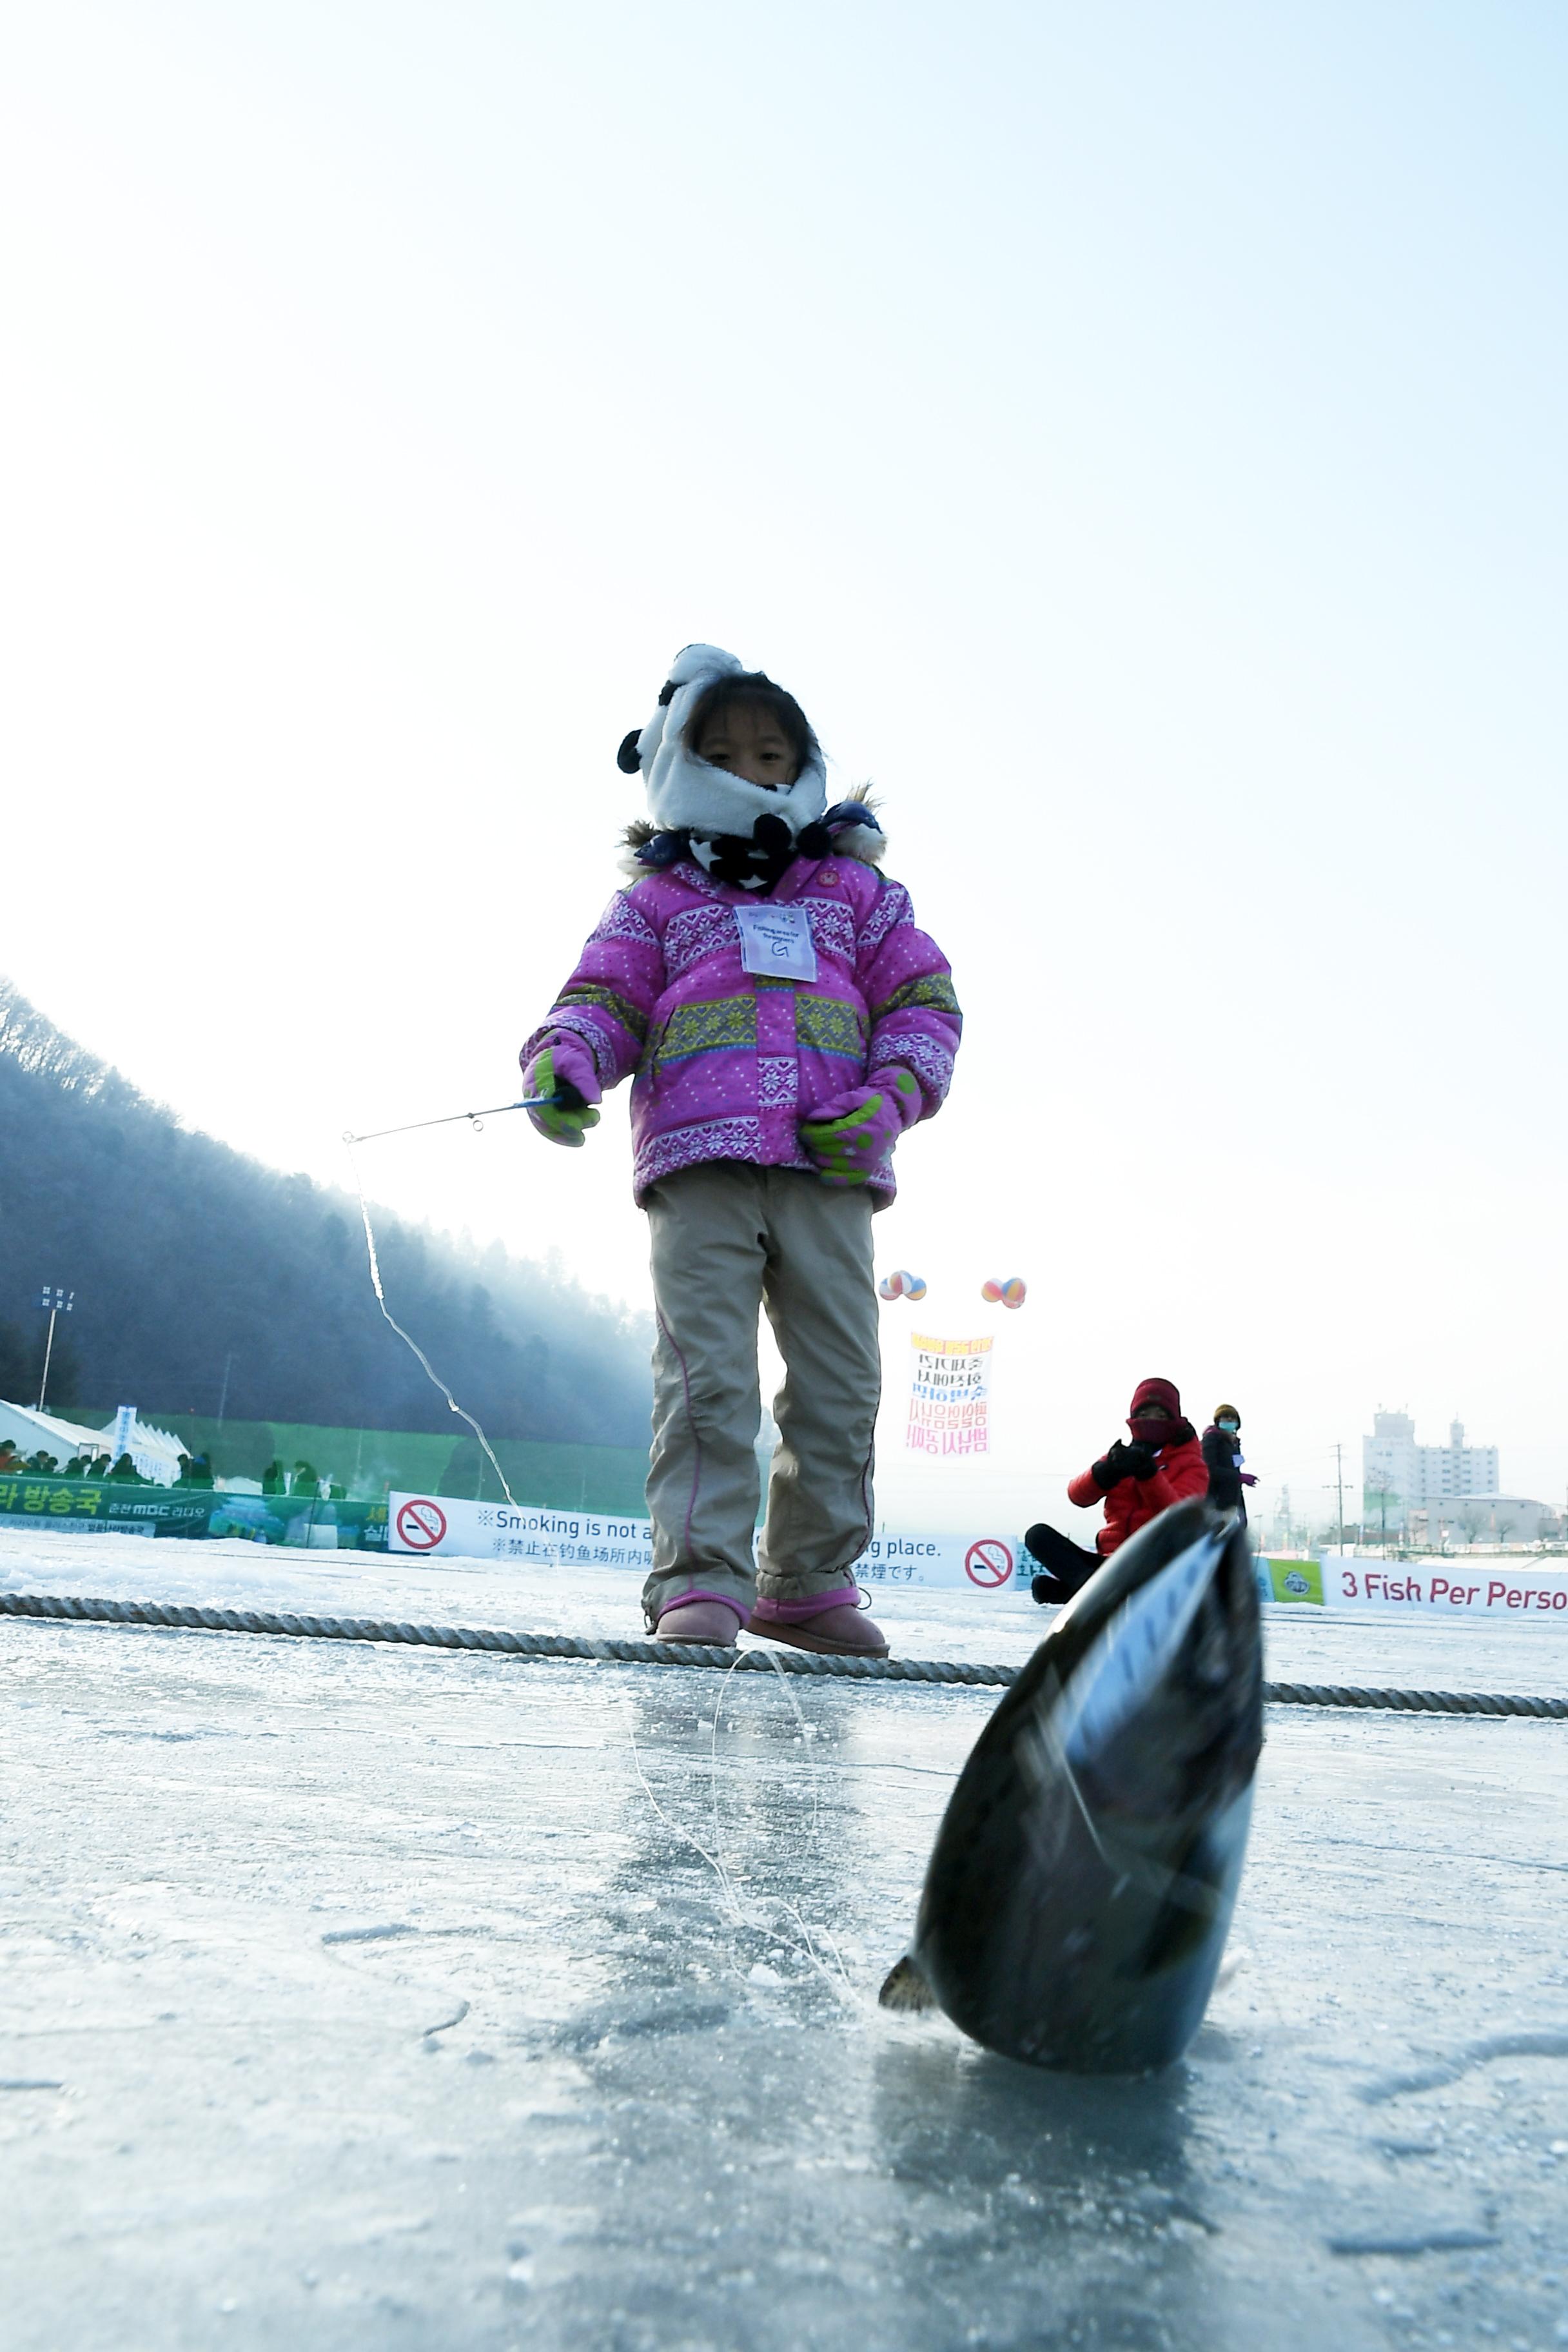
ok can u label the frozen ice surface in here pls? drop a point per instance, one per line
(358, 1998)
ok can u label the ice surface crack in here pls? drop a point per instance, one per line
(369, 1935)
(1547, 2041)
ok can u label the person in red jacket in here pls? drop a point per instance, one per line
(1162, 1465)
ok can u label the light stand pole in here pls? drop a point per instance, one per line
(52, 1303)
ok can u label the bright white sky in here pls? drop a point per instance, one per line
(1134, 432)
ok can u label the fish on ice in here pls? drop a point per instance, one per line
(1081, 1886)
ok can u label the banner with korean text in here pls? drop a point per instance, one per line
(110, 1506)
(949, 1396)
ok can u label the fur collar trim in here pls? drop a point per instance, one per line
(848, 830)
(684, 791)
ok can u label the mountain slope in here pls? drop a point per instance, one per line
(184, 1253)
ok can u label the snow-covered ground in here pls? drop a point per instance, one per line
(365, 1996)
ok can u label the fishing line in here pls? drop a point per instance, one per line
(714, 1865)
(732, 1903)
(806, 1736)
(738, 1913)
(808, 1951)
(431, 1373)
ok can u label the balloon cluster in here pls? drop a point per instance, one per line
(902, 1286)
(1010, 1293)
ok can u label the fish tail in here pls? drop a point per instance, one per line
(906, 1989)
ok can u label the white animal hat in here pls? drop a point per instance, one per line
(686, 791)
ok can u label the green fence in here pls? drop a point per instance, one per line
(369, 1463)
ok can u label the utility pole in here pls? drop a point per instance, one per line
(1338, 1482)
(222, 1398)
(52, 1303)
(1339, 1485)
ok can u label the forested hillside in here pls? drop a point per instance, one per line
(187, 1257)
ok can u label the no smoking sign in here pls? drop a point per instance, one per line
(421, 1524)
(988, 1562)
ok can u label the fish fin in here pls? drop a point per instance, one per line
(906, 1987)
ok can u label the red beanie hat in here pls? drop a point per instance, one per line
(1163, 1394)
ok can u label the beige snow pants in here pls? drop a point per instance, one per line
(727, 1238)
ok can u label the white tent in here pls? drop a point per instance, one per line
(32, 1433)
(155, 1452)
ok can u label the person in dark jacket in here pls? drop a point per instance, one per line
(1164, 1463)
(1222, 1452)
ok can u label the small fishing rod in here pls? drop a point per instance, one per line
(454, 1118)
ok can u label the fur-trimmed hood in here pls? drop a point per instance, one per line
(849, 829)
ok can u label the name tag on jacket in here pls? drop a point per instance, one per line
(776, 942)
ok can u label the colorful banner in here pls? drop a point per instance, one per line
(1289, 1580)
(949, 1396)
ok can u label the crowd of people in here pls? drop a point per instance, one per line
(303, 1479)
(42, 1465)
(195, 1470)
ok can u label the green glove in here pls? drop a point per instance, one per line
(850, 1137)
(559, 1071)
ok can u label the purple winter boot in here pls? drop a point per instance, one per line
(701, 1617)
(831, 1622)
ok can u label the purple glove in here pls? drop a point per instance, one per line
(565, 1069)
(851, 1137)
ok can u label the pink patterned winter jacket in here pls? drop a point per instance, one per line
(728, 1063)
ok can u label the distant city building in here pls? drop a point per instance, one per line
(1482, 1520)
(1399, 1476)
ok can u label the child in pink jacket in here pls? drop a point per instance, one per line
(784, 1022)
